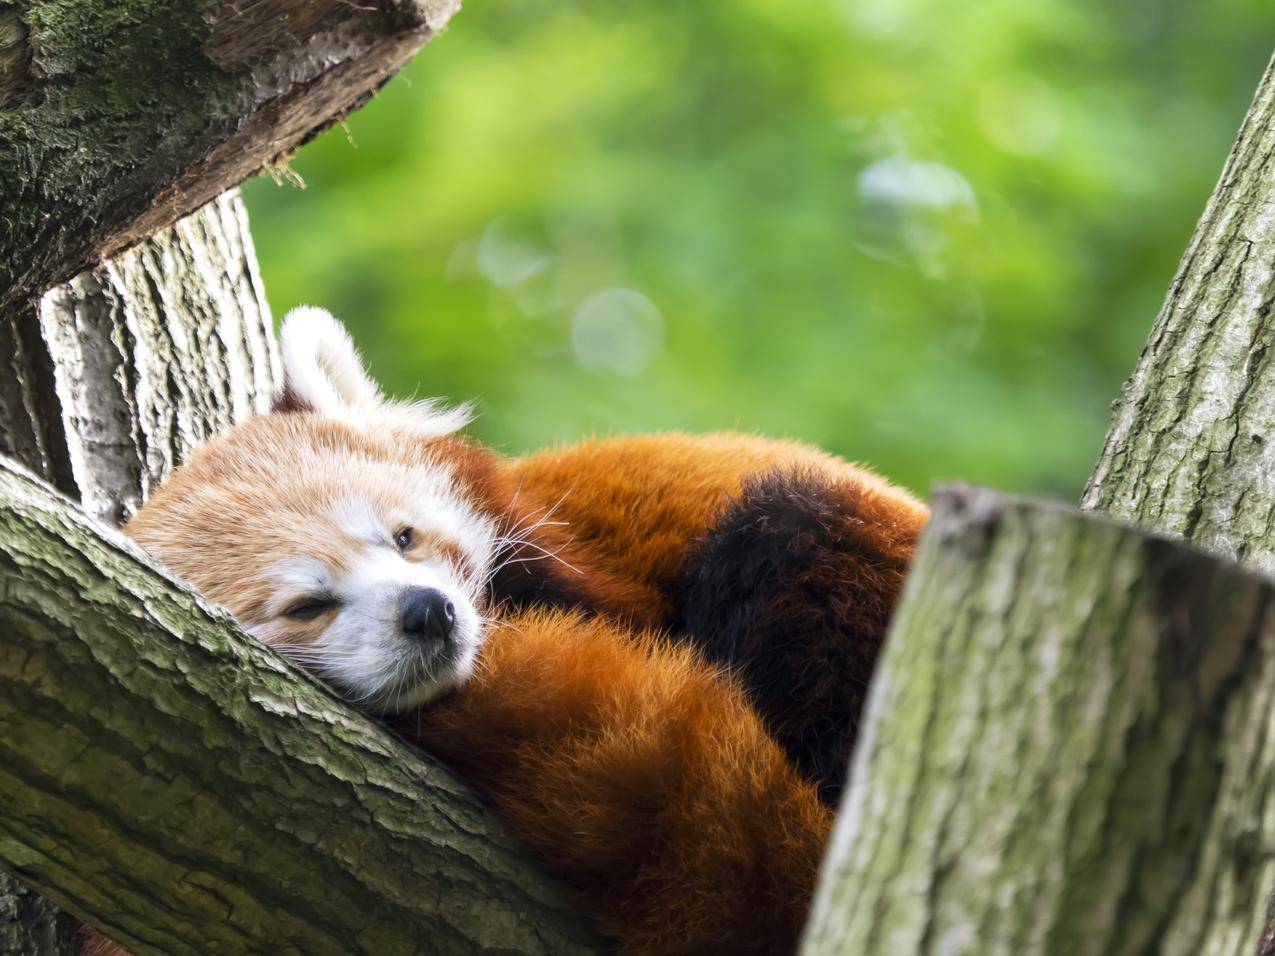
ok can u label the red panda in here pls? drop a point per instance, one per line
(609, 639)
(775, 560)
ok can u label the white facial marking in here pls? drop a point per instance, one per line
(357, 518)
(362, 649)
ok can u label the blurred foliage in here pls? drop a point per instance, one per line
(926, 235)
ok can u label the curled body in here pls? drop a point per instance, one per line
(776, 561)
(642, 777)
(647, 652)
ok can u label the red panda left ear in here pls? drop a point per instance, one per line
(288, 402)
(323, 373)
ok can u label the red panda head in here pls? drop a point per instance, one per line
(354, 534)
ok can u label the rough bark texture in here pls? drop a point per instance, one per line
(1067, 750)
(120, 373)
(32, 926)
(1191, 452)
(173, 781)
(117, 118)
(115, 375)
(154, 352)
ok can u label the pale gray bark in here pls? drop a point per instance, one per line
(154, 352)
(115, 375)
(1067, 745)
(1191, 451)
(175, 782)
(1068, 749)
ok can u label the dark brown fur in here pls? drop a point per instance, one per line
(793, 589)
(779, 562)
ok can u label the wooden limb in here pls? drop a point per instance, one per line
(1068, 748)
(118, 117)
(176, 783)
(1191, 449)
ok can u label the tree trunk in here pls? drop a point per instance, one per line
(125, 369)
(119, 374)
(31, 925)
(1067, 749)
(1191, 452)
(1102, 851)
(117, 118)
(177, 783)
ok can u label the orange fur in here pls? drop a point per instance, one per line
(635, 507)
(642, 778)
(634, 766)
(635, 770)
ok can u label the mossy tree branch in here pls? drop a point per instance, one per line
(1068, 748)
(177, 783)
(118, 118)
(112, 379)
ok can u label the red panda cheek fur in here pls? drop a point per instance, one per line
(643, 778)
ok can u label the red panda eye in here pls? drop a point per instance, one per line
(307, 609)
(404, 538)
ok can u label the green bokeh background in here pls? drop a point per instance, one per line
(927, 235)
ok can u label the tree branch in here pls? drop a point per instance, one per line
(1192, 445)
(177, 783)
(32, 926)
(1067, 748)
(120, 373)
(118, 118)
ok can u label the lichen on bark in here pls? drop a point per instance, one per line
(118, 118)
(1067, 749)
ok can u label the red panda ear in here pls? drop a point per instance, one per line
(289, 402)
(323, 373)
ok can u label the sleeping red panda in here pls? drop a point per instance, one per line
(371, 545)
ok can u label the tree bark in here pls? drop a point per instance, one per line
(1068, 748)
(31, 925)
(1191, 451)
(174, 781)
(117, 118)
(119, 374)
(126, 368)
(1188, 455)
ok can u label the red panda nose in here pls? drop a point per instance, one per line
(425, 614)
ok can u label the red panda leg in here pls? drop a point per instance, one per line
(793, 589)
(642, 778)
